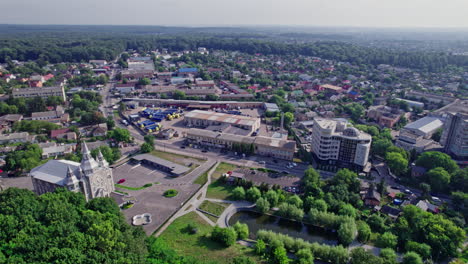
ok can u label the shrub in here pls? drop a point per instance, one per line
(253, 194)
(387, 240)
(262, 205)
(226, 236)
(170, 193)
(242, 230)
(238, 193)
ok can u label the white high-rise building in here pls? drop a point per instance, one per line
(91, 177)
(333, 142)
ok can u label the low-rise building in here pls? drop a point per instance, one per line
(200, 118)
(265, 146)
(385, 116)
(43, 92)
(162, 164)
(54, 150)
(21, 137)
(56, 116)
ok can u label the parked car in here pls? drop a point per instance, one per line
(121, 181)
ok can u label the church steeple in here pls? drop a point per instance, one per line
(101, 160)
(88, 164)
(71, 180)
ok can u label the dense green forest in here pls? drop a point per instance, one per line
(58, 46)
(61, 227)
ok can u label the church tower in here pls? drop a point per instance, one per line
(97, 176)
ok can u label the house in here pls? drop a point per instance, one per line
(417, 171)
(385, 116)
(427, 206)
(98, 130)
(63, 133)
(7, 121)
(22, 137)
(55, 150)
(125, 88)
(392, 212)
(56, 116)
(187, 72)
(372, 198)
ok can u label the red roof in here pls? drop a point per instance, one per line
(48, 76)
(57, 132)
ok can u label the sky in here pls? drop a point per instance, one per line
(348, 13)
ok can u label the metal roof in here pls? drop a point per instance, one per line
(426, 124)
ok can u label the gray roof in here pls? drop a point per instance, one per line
(426, 124)
(55, 171)
(174, 167)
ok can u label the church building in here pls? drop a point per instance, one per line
(91, 177)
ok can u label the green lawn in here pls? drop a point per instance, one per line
(212, 218)
(223, 167)
(202, 179)
(133, 188)
(219, 190)
(214, 208)
(176, 158)
(199, 245)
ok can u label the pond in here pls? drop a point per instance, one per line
(257, 221)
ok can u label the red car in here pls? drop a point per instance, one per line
(121, 181)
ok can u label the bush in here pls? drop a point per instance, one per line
(170, 193)
(242, 230)
(253, 194)
(347, 232)
(387, 240)
(238, 193)
(226, 236)
(262, 205)
(290, 211)
(364, 232)
(148, 185)
(412, 258)
(331, 254)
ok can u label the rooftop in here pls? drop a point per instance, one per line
(426, 124)
(221, 117)
(175, 168)
(55, 171)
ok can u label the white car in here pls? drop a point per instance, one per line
(436, 199)
(262, 162)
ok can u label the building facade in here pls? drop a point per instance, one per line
(200, 118)
(91, 177)
(265, 146)
(455, 135)
(42, 92)
(334, 143)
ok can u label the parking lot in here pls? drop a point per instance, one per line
(136, 175)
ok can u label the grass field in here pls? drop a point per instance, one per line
(223, 167)
(213, 208)
(133, 188)
(219, 190)
(212, 218)
(176, 158)
(199, 245)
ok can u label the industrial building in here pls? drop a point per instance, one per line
(334, 143)
(200, 118)
(265, 146)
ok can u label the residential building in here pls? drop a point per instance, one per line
(43, 92)
(455, 135)
(91, 177)
(200, 118)
(412, 103)
(64, 133)
(56, 116)
(271, 107)
(54, 150)
(334, 143)
(21, 137)
(125, 88)
(265, 146)
(385, 116)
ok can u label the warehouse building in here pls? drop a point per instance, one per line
(200, 118)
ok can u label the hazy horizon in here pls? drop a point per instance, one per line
(423, 14)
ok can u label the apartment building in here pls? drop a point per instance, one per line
(42, 92)
(455, 135)
(334, 142)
